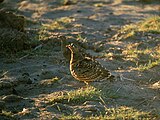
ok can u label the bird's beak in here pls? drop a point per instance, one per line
(69, 46)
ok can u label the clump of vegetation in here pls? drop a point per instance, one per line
(68, 2)
(76, 96)
(14, 38)
(6, 115)
(98, 4)
(142, 46)
(149, 25)
(60, 23)
(57, 24)
(12, 33)
(119, 113)
(124, 112)
(49, 81)
(144, 59)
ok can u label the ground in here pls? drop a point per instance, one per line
(40, 78)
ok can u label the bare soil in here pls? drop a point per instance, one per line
(30, 76)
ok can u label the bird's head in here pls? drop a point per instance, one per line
(72, 48)
(75, 52)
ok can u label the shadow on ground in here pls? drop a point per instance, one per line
(42, 75)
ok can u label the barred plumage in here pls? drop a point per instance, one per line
(85, 68)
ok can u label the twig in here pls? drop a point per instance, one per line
(37, 47)
(103, 101)
(118, 89)
(4, 74)
(141, 102)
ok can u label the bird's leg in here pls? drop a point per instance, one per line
(86, 85)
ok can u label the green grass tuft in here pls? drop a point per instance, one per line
(142, 44)
(57, 24)
(149, 65)
(149, 25)
(7, 115)
(76, 96)
(119, 113)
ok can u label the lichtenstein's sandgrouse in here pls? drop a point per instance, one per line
(85, 68)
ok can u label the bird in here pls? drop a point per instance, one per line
(66, 51)
(86, 69)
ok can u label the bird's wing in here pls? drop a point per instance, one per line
(89, 70)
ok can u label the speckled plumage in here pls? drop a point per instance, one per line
(85, 68)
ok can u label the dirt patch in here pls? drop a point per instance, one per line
(12, 33)
(35, 77)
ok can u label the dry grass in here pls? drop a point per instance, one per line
(119, 113)
(7, 115)
(142, 44)
(75, 96)
(149, 25)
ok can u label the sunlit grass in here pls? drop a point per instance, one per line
(68, 2)
(49, 81)
(148, 65)
(57, 24)
(81, 38)
(60, 23)
(123, 113)
(7, 115)
(98, 4)
(144, 58)
(75, 96)
(119, 113)
(142, 46)
(149, 25)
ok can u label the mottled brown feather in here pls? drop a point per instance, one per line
(85, 68)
